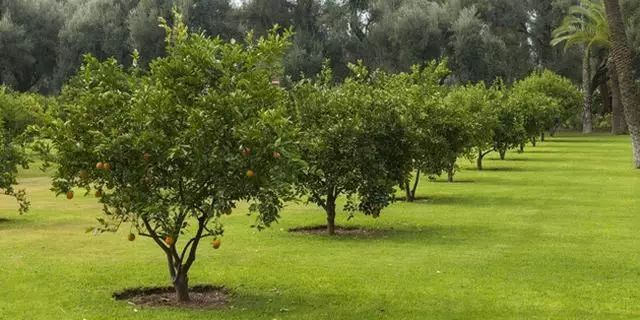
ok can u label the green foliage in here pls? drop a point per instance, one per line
(181, 145)
(17, 113)
(566, 95)
(354, 141)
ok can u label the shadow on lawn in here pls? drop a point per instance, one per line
(426, 234)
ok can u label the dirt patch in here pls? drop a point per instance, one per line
(202, 297)
(341, 231)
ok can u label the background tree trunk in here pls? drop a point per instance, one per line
(479, 160)
(503, 153)
(623, 59)
(331, 213)
(618, 122)
(587, 124)
(542, 137)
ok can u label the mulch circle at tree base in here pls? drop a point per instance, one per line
(202, 297)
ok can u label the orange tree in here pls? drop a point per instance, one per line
(355, 142)
(17, 113)
(171, 151)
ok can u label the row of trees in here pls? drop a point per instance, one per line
(173, 149)
(43, 40)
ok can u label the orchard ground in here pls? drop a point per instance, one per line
(551, 233)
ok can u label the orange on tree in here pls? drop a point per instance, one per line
(69, 195)
(99, 165)
(246, 151)
(276, 154)
(251, 173)
(216, 243)
(169, 240)
(131, 237)
(107, 166)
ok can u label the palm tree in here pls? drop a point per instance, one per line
(585, 25)
(622, 57)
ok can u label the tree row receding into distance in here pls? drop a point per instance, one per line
(171, 150)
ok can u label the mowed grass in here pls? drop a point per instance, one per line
(549, 234)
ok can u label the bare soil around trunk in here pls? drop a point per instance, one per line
(340, 231)
(202, 297)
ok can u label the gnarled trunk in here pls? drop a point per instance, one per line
(623, 59)
(587, 125)
(411, 191)
(618, 122)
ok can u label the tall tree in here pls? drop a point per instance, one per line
(585, 25)
(623, 58)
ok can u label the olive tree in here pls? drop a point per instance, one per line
(172, 151)
(354, 142)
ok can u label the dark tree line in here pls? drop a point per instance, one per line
(43, 41)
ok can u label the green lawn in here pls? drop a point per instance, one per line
(548, 234)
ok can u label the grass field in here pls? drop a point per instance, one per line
(549, 234)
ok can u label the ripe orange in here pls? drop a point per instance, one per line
(99, 165)
(251, 173)
(169, 240)
(131, 237)
(107, 166)
(276, 154)
(70, 195)
(216, 243)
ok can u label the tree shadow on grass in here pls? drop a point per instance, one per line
(427, 234)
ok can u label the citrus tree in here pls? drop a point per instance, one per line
(17, 112)
(566, 95)
(437, 134)
(171, 151)
(354, 142)
(475, 101)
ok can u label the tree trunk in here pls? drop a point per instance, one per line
(587, 125)
(605, 92)
(479, 160)
(331, 213)
(503, 153)
(534, 141)
(618, 122)
(451, 172)
(623, 58)
(407, 190)
(521, 148)
(415, 186)
(181, 285)
(542, 136)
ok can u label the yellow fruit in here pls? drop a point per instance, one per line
(99, 165)
(169, 240)
(251, 173)
(216, 243)
(131, 237)
(70, 195)
(107, 166)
